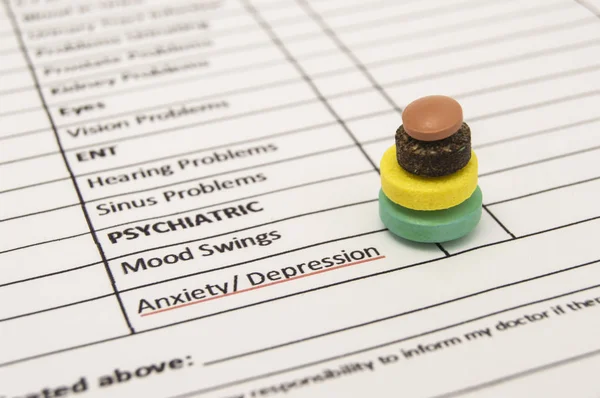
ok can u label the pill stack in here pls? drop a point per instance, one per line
(429, 189)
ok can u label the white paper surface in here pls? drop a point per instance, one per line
(188, 200)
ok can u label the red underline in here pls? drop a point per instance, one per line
(262, 286)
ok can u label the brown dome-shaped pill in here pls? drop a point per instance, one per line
(432, 118)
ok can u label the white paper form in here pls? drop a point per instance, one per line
(188, 200)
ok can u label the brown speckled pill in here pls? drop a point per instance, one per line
(434, 158)
(432, 118)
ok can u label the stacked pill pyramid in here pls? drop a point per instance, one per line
(429, 189)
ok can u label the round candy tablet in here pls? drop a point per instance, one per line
(431, 226)
(434, 158)
(432, 118)
(426, 193)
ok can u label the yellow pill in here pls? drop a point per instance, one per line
(426, 193)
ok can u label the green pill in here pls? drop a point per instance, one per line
(431, 226)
